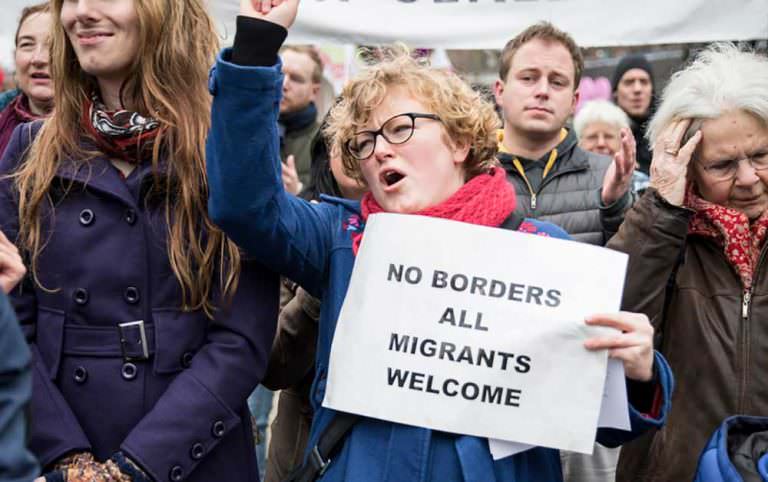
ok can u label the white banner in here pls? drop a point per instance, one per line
(474, 330)
(489, 24)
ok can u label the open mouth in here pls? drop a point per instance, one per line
(40, 76)
(390, 177)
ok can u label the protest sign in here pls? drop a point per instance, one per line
(474, 330)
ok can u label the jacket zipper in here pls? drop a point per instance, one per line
(745, 304)
(745, 329)
(544, 182)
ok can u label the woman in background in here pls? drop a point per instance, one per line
(34, 98)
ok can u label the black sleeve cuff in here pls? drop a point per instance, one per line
(257, 42)
(57, 476)
(127, 468)
(641, 394)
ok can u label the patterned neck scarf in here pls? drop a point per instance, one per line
(741, 240)
(121, 134)
(486, 199)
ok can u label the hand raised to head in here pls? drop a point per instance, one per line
(669, 167)
(281, 12)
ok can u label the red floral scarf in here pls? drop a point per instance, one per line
(486, 199)
(121, 134)
(731, 229)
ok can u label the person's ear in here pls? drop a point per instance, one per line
(575, 100)
(460, 152)
(498, 92)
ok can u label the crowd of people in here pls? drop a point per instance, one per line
(180, 225)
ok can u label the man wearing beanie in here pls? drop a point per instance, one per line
(633, 92)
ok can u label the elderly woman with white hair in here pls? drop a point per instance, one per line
(697, 246)
(598, 126)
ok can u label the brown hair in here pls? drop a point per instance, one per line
(177, 44)
(311, 52)
(467, 117)
(28, 12)
(549, 33)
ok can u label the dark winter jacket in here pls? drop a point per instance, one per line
(570, 195)
(714, 335)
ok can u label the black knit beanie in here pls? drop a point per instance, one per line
(629, 62)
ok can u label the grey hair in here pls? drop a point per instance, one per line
(599, 111)
(722, 78)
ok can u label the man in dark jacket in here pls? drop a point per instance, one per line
(585, 193)
(633, 92)
(298, 124)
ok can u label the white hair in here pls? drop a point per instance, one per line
(723, 78)
(599, 111)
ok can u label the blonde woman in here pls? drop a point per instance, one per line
(423, 143)
(147, 329)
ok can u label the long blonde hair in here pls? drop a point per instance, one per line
(168, 81)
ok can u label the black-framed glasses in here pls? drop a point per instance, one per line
(395, 130)
(726, 170)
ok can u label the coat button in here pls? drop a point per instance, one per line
(129, 371)
(218, 429)
(81, 375)
(197, 451)
(186, 359)
(80, 295)
(131, 295)
(130, 216)
(177, 473)
(86, 217)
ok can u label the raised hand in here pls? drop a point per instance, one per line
(291, 180)
(281, 12)
(633, 346)
(669, 167)
(618, 177)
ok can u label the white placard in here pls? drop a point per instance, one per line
(474, 330)
(614, 411)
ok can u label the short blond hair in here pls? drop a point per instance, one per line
(548, 33)
(467, 117)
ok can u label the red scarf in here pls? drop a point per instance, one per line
(731, 229)
(23, 111)
(486, 199)
(15, 113)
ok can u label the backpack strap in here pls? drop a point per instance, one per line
(319, 458)
(513, 221)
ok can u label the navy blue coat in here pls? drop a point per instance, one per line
(180, 412)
